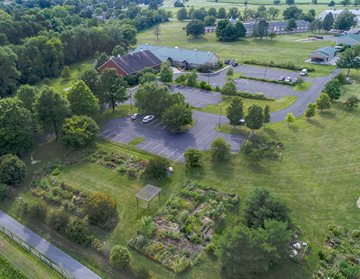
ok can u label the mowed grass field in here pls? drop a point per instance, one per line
(283, 49)
(317, 177)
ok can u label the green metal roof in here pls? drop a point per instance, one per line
(350, 39)
(192, 56)
(325, 51)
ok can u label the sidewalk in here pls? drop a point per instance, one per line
(53, 253)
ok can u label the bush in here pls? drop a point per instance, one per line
(12, 170)
(38, 211)
(289, 65)
(119, 257)
(78, 232)
(4, 191)
(156, 168)
(256, 96)
(220, 150)
(193, 158)
(58, 220)
(140, 272)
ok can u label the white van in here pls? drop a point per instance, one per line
(303, 72)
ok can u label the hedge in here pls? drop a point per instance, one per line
(270, 80)
(289, 65)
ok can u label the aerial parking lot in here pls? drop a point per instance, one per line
(160, 141)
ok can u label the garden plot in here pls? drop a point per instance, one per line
(184, 226)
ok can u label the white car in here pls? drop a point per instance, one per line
(288, 79)
(148, 118)
(303, 72)
(135, 116)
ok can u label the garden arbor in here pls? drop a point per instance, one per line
(147, 194)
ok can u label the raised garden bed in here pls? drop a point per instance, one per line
(184, 226)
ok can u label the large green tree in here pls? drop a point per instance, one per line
(26, 94)
(255, 117)
(100, 208)
(235, 111)
(328, 22)
(113, 88)
(350, 59)
(9, 75)
(91, 77)
(323, 102)
(12, 170)
(51, 109)
(310, 111)
(166, 73)
(220, 150)
(16, 127)
(177, 116)
(332, 88)
(82, 100)
(195, 28)
(345, 21)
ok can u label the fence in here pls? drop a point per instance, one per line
(63, 272)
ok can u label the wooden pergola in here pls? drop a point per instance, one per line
(147, 194)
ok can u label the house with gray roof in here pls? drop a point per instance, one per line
(279, 27)
(349, 39)
(189, 58)
(323, 55)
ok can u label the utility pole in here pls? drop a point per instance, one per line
(220, 115)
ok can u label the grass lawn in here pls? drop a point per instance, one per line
(278, 104)
(62, 86)
(284, 48)
(302, 87)
(28, 264)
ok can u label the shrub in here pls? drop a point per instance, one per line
(12, 169)
(119, 257)
(58, 220)
(193, 158)
(156, 168)
(100, 208)
(289, 65)
(355, 234)
(37, 211)
(4, 191)
(78, 232)
(220, 150)
(140, 272)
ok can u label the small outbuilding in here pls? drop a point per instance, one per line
(147, 194)
(323, 55)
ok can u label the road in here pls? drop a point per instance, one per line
(75, 268)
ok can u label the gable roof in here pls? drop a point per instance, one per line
(277, 24)
(180, 54)
(325, 51)
(136, 62)
(349, 39)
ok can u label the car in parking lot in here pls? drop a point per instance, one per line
(288, 79)
(303, 72)
(148, 118)
(281, 78)
(135, 116)
(295, 80)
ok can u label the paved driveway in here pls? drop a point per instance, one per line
(160, 141)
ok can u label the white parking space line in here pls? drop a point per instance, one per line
(154, 147)
(162, 151)
(162, 128)
(149, 123)
(143, 147)
(109, 135)
(158, 124)
(168, 156)
(104, 132)
(178, 157)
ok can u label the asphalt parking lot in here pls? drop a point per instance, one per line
(160, 141)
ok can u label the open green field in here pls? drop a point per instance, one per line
(284, 48)
(22, 260)
(278, 104)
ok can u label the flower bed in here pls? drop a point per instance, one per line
(184, 226)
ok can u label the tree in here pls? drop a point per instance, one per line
(4, 191)
(212, 12)
(118, 50)
(272, 35)
(314, 2)
(78, 232)
(323, 102)
(119, 257)
(166, 73)
(350, 59)
(229, 88)
(310, 111)
(156, 168)
(182, 14)
(291, 24)
(26, 94)
(12, 170)
(233, 13)
(157, 31)
(235, 111)
(220, 150)
(290, 2)
(198, 14)
(79, 131)
(332, 88)
(262, 206)
(352, 102)
(230, 72)
(177, 116)
(332, 3)
(221, 13)
(82, 100)
(267, 116)
(9, 74)
(345, 21)
(356, 3)
(292, 12)
(273, 12)
(147, 77)
(254, 118)
(58, 220)
(191, 79)
(153, 5)
(346, 3)
(16, 127)
(210, 20)
(51, 109)
(193, 158)
(328, 22)
(290, 118)
(101, 59)
(100, 208)
(195, 28)
(113, 88)
(240, 30)
(66, 73)
(38, 211)
(261, 29)
(91, 78)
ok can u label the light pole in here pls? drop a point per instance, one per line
(220, 115)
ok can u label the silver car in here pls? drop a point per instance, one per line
(148, 118)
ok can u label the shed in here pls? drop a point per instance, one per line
(324, 54)
(147, 194)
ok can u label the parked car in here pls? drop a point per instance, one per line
(295, 80)
(288, 79)
(148, 118)
(319, 37)
(281, 78)
(135, 116)
(304, 72)
(227, 61)
(234, 64)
